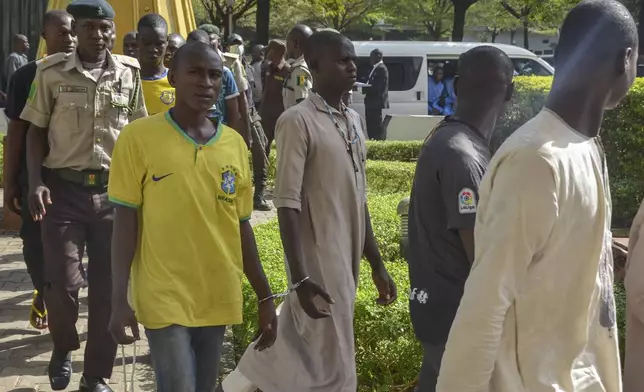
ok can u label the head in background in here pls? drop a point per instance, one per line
(276, 51)
(257, 53)
(152, 40)
(57, 32)
(296, 41)
(331, 57)
(20, 44)
(94, 27)
(130, 46)
(483, 84)
(198, 36)
(213, 35)
(175, 41)
(439, 73)
(375, 56)
(195, 73)
(597, 51)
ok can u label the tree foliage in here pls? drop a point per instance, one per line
(492, 18)
(542, 14)
(433, 16)
(340, 14)
(215, 11)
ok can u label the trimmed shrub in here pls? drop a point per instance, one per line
(394, 150)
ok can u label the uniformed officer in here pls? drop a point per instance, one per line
(77, 106)
(299, 82)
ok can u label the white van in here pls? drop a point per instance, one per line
(410, 64)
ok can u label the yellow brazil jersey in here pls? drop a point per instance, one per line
(191, 199)
(158, 94)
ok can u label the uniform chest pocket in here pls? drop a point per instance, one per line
(120, 104)
(70, 107)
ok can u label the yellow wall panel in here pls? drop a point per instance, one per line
(178, 13)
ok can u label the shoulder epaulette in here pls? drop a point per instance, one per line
(127, 60)
(232, 56)
(52, 60)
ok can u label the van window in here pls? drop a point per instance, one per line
(403, 71)
(530, 67)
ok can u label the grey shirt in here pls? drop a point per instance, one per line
(14, 61)
(444, 199)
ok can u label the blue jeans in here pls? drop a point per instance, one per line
(186, 359)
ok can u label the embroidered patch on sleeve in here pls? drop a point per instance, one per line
(466, 201)
(32, 92)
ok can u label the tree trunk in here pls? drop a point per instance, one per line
(458, 31)
(526, 32)
(262, 21)
(495, 33)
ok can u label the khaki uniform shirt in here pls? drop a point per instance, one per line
(84, 116)
(233, 62)
(298, 84)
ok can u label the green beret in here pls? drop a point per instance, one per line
(91, 9)
(210, 29)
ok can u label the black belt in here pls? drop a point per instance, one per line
(88, 178)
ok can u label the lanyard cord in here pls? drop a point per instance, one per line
(346, 140)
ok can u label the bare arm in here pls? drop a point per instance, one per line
(36, 150)
(387, 291)
(14, 142)
(244, 128)
(290, 233)
(467, 238)
(252, 266)
(232, 114)
(124, 242)
(371, 250)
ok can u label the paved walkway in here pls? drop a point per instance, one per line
(25, 352)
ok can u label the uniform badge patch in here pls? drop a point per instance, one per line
(32, 92)
(167, 97)
(301, 80)
(228, 182)
(466, 201)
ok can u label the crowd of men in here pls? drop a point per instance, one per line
(141, 160)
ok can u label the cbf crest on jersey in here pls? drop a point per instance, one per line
(228, 181)
(167, 97)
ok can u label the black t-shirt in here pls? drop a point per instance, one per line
(443, 200)
(17, 94)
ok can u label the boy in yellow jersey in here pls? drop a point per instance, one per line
(183, 183)
(152, 41)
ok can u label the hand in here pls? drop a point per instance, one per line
(620, 256)
(387, 292)
(267, 325)
(38, 198)
(123, 316)
(306, 293)
(12, 197)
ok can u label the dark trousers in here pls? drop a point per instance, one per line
(432, 356)
(373, 116)
(32, 250)
(79, 217)
(261, 155)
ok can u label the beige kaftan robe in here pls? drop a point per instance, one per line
(316, 176)
(634, 283)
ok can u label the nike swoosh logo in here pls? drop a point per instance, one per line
(157, 179)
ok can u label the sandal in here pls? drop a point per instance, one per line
(37, 318)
